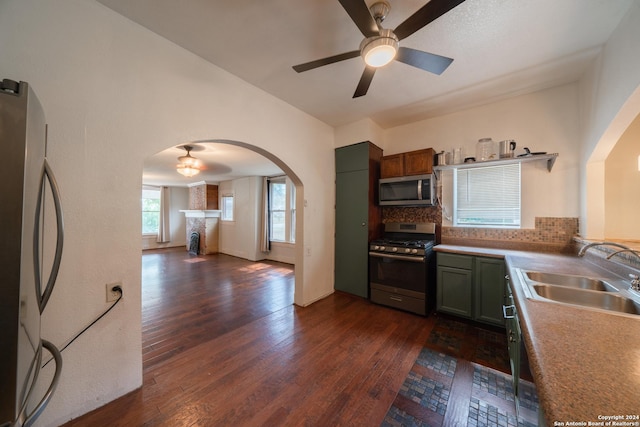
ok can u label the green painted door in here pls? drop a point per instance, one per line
(351, 262)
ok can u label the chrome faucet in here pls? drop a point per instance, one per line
(635, 280)
(636, 253)
(583, 250)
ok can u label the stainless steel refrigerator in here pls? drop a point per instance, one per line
(30, 254)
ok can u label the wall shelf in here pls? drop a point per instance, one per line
(549, 158)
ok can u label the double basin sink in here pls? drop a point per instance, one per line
(580, 291)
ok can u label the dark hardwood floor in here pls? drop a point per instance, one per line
(223, 345)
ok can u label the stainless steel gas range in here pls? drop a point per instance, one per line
(401, 267)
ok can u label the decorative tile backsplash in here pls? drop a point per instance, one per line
(411, 214)
(549, 235)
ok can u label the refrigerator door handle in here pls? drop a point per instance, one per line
(55, 267)
(57, 357)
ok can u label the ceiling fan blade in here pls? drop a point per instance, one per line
(424, 60)
(360, 15)
(325, 61)
(365, 81)
(427, 13)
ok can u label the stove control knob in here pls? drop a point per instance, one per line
(407, 250)
(414, 251)
(382, 248)
(394, 250)
(376, 247)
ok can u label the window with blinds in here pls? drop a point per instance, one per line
(487, 196)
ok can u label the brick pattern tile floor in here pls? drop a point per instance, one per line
(485, 395)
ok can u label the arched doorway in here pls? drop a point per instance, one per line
(286, 169)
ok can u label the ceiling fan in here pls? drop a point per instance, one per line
(381, 45)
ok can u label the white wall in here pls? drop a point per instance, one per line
(609, 101)
(362, 130)
(179, 199)
(542, 121)
(282, 252)
(114, 94)
(622, 186)
(241, 236)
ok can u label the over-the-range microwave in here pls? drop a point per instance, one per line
(417, 190)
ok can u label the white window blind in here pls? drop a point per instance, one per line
(487, 196)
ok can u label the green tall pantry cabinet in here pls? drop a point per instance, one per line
(358, 216)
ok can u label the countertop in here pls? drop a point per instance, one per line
(585, 363)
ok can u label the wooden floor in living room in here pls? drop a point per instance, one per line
(223, 344)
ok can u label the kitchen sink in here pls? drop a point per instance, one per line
(587, 298)
(580, 291)
(570, 281)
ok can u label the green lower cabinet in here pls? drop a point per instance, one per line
(489, 290)
(454, 291)
(471, 287)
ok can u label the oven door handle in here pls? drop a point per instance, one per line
(398, 257)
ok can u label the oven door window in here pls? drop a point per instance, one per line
(398, 273)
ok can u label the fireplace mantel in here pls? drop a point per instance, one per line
(205, 223)
(200, 213)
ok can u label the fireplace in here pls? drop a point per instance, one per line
(203, 217)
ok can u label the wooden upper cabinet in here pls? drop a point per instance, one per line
(418, 162)
(391, 166)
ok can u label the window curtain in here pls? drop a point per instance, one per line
(164, 227)
(265, 244)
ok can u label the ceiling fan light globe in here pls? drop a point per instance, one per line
(380, 56)
(379, 51)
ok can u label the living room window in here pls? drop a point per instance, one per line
(282, 197)
(150, 210)
(487, 196)
(227, 207)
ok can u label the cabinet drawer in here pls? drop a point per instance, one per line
(454, 260)
(403, 302)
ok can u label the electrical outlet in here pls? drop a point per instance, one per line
(112, 295)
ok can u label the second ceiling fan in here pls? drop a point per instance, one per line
(381, 45)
